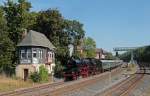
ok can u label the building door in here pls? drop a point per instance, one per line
(26, 74)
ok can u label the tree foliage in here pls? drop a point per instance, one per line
(141, 54)
(17, 17)
(89, 47)
(16, 14)
(109, 56)
(6, 47)
(75, 34)
(58, 70)
(60, 31)
(13, 20)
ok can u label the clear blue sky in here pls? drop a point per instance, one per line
(112, 23)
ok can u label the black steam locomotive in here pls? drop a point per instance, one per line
(76, 68)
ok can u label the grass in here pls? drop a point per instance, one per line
(10, 84)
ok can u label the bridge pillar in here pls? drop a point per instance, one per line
(117, 54)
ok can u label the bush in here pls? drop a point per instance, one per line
(43, 73)
(35, 77)
(41, 76)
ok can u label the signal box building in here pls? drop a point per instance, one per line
(34, 50)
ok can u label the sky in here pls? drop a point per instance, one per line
(111, 23)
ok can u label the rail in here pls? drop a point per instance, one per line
(123, 88)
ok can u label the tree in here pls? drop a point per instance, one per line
(6, 47)
(16, 14)
(140, 54)
(32, 18)
(75, 32)
(89, 47)
(49, 22)
(109, 56)
(61, 32)
(58, 70)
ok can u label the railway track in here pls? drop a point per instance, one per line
(55, 89)
(123, 88)
(80, 85)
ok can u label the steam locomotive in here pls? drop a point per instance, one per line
(76, 68)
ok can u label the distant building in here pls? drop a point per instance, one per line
(34, 50)
(100, 53)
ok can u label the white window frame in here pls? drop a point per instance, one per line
(40, 54)
(23, 51)
(49, 54)
(34, 52)
(29, 55)
(53, 56)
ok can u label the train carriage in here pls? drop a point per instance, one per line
(110, 64)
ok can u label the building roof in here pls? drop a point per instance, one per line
(99, 50)
(34, 38)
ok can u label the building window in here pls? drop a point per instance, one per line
(28, 53)
(40, 54)
(49, 54)
(53, 55)
(23, 54)
(34, 54)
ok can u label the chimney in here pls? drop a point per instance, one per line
(24, 33)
